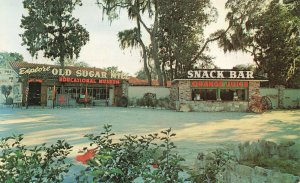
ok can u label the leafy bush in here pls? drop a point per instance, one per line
(149, 99)
(139, 102)
(214, 166)
(164, 102)
(131, 158)
(132, 101)
(9, 101)
(38, 164)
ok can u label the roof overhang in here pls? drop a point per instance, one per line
(223, 79)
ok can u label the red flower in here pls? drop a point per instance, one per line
(86, 156)
(155, 165)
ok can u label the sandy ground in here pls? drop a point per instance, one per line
(196, 131)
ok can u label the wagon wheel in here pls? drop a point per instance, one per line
(123, 101)
(256, 108)
(266, 102)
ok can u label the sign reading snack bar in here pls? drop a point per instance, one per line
(219, 74)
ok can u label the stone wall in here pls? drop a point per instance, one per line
(236, 173)
(236, 170)
(212, 106)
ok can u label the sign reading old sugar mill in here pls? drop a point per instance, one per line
(86, 73)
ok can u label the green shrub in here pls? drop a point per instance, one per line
(140, 102)
(132, 101)
(38, 164)
(149, 99)
(214, 166)
(164, 103)
(131, 158)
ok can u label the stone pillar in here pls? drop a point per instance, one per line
(44, 95)
(125, 86)
(174, 94)
(253, 90)
(185, 91)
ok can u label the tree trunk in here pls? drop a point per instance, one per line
(176, 69)
(146, 69)
(156, 60)
(171, 64)
(164, 74)
(154, 49)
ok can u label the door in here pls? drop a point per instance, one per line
(34, 93)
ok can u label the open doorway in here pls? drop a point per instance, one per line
(34, 94)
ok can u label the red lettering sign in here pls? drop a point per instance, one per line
(85, 80)
(109, 81)
(35, 80)
(216, 84)
(207, 84)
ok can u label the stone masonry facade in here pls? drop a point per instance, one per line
(181, 99)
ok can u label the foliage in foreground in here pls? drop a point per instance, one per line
(213, 168)
(19, 163)
(151, 158)
(132, 158)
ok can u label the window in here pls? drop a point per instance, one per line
(204, 94)
(241, 94)
(233, 94)
(79, 92)
(57, 90)
(100, 93)
(104, 93)
(227, 94)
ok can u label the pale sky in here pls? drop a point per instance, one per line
(103, 48)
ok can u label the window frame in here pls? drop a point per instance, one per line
(218, 92)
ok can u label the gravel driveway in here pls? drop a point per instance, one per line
(196, 131)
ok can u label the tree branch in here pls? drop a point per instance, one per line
(143, 23)
(210, 40)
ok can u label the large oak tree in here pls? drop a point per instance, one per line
(270, 32)
(172, 29)
(133, 37)
(181, 35)
(50, 27)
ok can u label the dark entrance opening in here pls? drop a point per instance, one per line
(34, 94)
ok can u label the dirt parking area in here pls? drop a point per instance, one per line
(196, 131)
